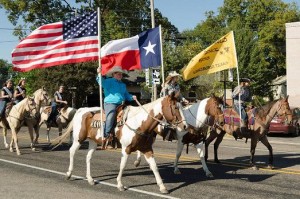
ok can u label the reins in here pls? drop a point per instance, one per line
(163, 123)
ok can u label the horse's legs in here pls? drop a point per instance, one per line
(213, 134)
(91, 150)
(151, 161)
(14, 139)
(178, 154)
(200, 150)
(122, 167)
(60, 129)
(48, 133)
(37, 134)
(75, 146)
(30, 130)
(138, 159)
(216, 145)
(4, 131)
(252, 152)
(265, 141)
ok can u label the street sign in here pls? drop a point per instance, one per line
(156, 76)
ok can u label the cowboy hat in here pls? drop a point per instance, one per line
(173, 74)
(115, 69)
(245, 80)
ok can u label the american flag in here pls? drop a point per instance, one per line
(71, 41)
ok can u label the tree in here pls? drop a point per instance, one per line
(119, 19)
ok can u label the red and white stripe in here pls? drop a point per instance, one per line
(45, 47)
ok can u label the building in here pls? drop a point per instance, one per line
(293, 62)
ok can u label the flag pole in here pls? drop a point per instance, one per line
(238, 78)
(100, 74)
(162, 60)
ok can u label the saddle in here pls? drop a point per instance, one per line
(232, 118)
(121, 116)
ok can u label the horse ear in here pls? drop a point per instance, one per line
(44, 88)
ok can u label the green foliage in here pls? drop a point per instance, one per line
(258, 25)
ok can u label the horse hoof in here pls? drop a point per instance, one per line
(6, 146)
(209, 175)
(270, 167)
(33, 149)
(137, 163)
(177, 172)
(11, 150)
(18, 153)
(255, 168)
(122, 188)
(68, 176)
(91, 182)
(164, 191)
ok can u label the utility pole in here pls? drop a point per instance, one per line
(154, 88)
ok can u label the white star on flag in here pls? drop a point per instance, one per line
(149, 48)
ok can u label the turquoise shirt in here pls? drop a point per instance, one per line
(115, 91)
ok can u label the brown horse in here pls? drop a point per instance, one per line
(259, 121)
(200, 117)
(134, 134)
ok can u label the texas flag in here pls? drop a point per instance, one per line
(139, 52)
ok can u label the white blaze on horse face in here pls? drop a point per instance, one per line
(195, 115)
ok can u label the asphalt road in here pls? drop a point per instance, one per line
(41, 173)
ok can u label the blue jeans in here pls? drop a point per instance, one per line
(244, 115)
(110, 114)
(2, 108)
(53, 113)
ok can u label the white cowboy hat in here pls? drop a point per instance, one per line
(115, 69)
(174, 74)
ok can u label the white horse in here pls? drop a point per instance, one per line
(62, 121)
(133, 135)
(20, 115)
(197, 117)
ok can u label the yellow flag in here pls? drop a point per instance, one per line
(221, 55)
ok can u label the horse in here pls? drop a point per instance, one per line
(15, 119)
(134, 134)
(259, 121)
(200, 117)
(62, 121)
(17, 116)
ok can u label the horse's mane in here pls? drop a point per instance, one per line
(37, 91)
(264, 110)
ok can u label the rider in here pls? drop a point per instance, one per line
(171, 86)
(242, 91)
(6, 96)
(115, 94)
(58, 103)
(20, 91)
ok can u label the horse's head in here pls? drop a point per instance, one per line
(283, 109)
(214, 108)
(30, 108)
(41, 95)
(172, 112)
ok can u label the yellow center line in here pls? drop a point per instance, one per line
(185, 158)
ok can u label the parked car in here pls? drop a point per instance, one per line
(279, 125)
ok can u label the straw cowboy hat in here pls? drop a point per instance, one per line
(171, 75)
(115, 69)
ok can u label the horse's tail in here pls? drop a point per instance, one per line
(59, 140)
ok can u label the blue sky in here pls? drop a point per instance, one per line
(184, 14)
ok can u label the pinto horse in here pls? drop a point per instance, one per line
(20, 115)
(259, 121)
(200, 117)
(135, 134)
